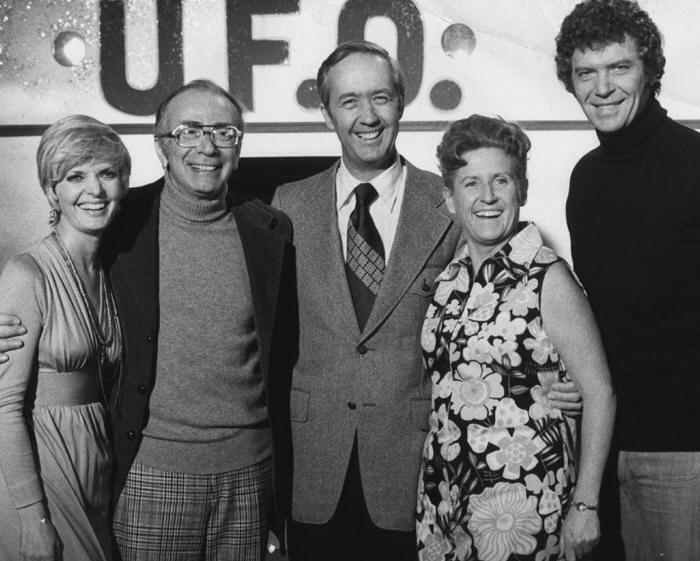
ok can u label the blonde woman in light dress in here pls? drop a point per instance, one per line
(55, 456)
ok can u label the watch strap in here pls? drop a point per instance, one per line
(581, 506)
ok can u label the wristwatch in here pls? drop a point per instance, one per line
(582, 507)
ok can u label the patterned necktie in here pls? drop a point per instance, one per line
(365, 259)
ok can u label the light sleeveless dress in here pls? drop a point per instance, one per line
(68, 420)
(498, 466)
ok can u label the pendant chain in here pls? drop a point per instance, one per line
(104, 340)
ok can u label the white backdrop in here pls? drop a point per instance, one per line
(507, 69)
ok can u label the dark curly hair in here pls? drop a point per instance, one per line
(594, 24)
(476, 132)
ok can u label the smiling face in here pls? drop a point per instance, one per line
(609, 84)
(364, 111)
(484, 200)
(201, 171)
(88, 197)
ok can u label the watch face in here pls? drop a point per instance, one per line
(580, 506)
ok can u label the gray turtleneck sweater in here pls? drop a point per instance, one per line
(207, 411)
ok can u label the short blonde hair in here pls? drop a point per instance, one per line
(75, 140)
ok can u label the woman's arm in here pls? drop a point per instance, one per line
(568, 321)
(21, 294)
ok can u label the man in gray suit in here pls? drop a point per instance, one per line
(371, 233)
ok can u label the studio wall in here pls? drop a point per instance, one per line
(115, 59)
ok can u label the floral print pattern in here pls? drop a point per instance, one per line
(497, 470)
(504, 521)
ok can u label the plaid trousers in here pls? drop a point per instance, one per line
(166, 516)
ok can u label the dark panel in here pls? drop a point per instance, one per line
(258, 177)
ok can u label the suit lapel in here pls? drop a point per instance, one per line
(264, 255)
(140, 266)
(328, 261)
(422, 224)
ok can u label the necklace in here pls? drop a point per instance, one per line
(104, 337)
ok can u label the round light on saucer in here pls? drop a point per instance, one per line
(69, 48)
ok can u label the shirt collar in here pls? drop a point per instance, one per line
(386, 183)
(521, 248)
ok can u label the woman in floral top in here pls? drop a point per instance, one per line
(499, 465)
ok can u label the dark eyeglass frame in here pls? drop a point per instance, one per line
(203, 129)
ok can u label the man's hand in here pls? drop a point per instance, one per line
(10, 331)
(565, 397)
(273, 544)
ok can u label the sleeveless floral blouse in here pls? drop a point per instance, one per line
(497, 469)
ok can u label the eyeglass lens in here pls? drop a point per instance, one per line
(224, 137)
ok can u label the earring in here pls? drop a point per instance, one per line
(54, 216)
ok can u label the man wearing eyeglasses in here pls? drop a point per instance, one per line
(204, 290)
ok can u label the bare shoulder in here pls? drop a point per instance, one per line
(20, 268)
(566, 314)
(19, 284)
(560, 286)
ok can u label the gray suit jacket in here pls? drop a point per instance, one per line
(369, 383)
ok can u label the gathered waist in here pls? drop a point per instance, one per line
(67, 388)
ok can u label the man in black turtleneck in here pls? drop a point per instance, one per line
(634, 217)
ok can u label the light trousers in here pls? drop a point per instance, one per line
(166, 516)
(660, 505)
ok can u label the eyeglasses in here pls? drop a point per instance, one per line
(189, 136)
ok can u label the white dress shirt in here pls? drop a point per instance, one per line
(390, 185)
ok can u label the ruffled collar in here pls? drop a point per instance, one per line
(521, 249)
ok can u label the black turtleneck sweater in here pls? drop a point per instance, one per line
(634, 216)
